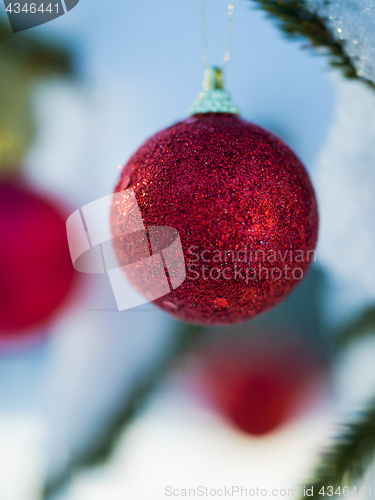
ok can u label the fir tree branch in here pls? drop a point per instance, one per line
(102, 449)
(23, 59)
(363, 326)
(296, 20)
(347, 460)
(33, 56)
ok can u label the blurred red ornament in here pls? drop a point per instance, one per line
(36, 272)
(260, 383)
(243, 205)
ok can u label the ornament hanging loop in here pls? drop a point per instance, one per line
(204, 34)
(230, 33)
(214, 98)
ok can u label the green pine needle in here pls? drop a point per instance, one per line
(296, 20)
(363, 326)
(349, 457)
(34, 56)
(102, 448)
(353, 450)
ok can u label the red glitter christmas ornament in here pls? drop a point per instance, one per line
(241, 201)
(36, 273)
(260, 382)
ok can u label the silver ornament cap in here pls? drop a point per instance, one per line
(214, 98)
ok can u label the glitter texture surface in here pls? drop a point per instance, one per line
(244, 208)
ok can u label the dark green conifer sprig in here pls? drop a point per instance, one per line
(349, 457)
(32, 55)
(297, 20)
(360, 328)
(103, 446)
(353, 450)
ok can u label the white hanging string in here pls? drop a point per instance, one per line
(204, 33)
